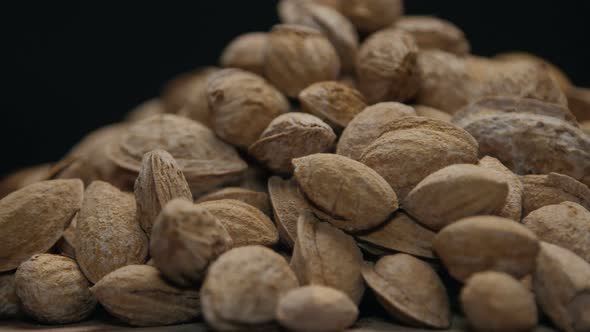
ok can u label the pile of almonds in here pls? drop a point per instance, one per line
(353, 168)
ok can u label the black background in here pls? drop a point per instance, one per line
(74, 66)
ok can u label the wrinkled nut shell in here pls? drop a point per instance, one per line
(550, 189)
(287, 204)
(512, 208)
(9, 302)
(246, 52)
(257, 199)
(435, 33)
(372, 15)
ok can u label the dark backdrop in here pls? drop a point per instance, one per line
(74, 66)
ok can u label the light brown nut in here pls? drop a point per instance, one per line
(287, 203)
(401, 233)
(432, 113)
(186, 94)
(108, 234)
(494, 301)
(435, 33)
(477, 244)
(566, 224)
(245, 224)
(243, 287)
(138, 295)
(257, 199)
(409, 290)
(324, 255)
(33, 219)
(456, 192)
(23, 177)
(368, 125)
(562, 287)
(528, 136)
(246, 52)
(9, 302)
(289, 136)
(333, 102)
(316, 309)
(242, 105)
(386, 66)
(412, 148)
(512, 208)
(145, 110)
(372, 15)
(550, 189)
(206, 161)
(67, 244)
(562, 79)
(348, 194)
(579, 102)
(53, 290)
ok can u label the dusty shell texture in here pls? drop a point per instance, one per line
(145, 110)
(246, 52)
(528, 136)
(579, 102)
(186, 94)
(562, 287)
(550, 189)
(242, 105)
(185, 240)
(333, 102)
(33, 219)
(368, 125)
(562, 79)
(410, 291)
(482, 243)
(336, 27)
(205, 161)
(298, 56)
(456, 192)
(159, 181)
(412, 148)
(289, 136)
(287, 203)
(433, 113)
(386, 66)
(566, 224)
(324, 255)
(243, 288)
(9, 302)
(494, 301)
(257, 199)
(512, 208)
(53, 290)
(435, 33)
(401, 233)
(138, 295)
(348, 194)
(316, 309)
(108, 235)
(372, 15)
(23, 177)
(245, 224)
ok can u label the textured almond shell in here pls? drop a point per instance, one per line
(372, 15)
(257, 199)
(246, 52)
(9, 302)
(287, 204)
(192, 98)
(430, 112)
(553, 188)
(435, 33)
(512, 208)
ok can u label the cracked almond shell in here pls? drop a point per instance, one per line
(435, 33)
(512, 208)
(287, 204)
(246, 52)
(257, 199)
(553, 188)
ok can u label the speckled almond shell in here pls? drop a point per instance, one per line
(372, 15)
(512, 208)
(348, 194)
(108, 235)
(435, 33)
(429, 112)
(53, 290)
(9, 302)
(243, 288)
(246, 52)
(324, 255)
(139, 296)
(482, 243)
(287, 204)
(410, 291)
(553, 188)
(257, 199)
(33, 219)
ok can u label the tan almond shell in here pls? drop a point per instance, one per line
(435, 33)
(562, 284)
(412, 148)
(372, 15)
(108, 234)
(298, 56)
(242, 105)
(430, 112)
(245, 224)
(368, 125)
(33, 219)
(246, 52)
(159, 181)
(350, 195)
(480, 298)
(482, 243)
(289, 136)
(410, 291)
(566, 224)
(386, 66)
(67, 244)
(145, 110)
(9, 302)
(186, 92)
(257, 199)
(455, 192)
(401, 233)
(324, 255)
(333, 102)
(243, 287)
(579, 102)
(585, 126)
(138, 295)
(23, 177)
(185, 240)
(53, 290)
(287, 204)
(553, 188)
(512, 208)
(316, 308)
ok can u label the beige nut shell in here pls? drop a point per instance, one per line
(550, 189)
(257, 199)
(9, 302)
(287, 204)
(512, 208)
(372, 15)
(435, 33)
(246, 52)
